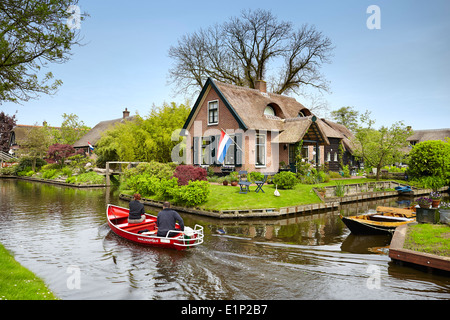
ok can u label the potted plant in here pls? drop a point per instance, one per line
(424, 202)
(444, 211)
(234, 178)
(435, 199)
(224, 180)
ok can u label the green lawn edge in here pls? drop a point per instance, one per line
(19, 283)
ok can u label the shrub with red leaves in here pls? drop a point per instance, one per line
(60, 152)
(186, 173)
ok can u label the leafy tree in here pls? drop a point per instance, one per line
(72, 129)
(347, 116)
(430, 158)
(35, 144)
(60, 152)
(33, 33)
(380, 147)
(244, 49)
(144, 139)
(7, 123)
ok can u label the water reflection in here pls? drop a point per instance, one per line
(313, 256)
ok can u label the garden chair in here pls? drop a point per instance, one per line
(244, 184)
(260, 184)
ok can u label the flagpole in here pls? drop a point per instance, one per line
(232, 140)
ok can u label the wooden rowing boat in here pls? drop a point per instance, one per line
(385, 220)
(145, 232)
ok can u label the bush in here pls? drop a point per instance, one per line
(186, 173)
(255, 176)
(145, 184)
(87, 178)
(51, 174)
(434, 183)
(153, 168)
(193, 194)
(285, 180)
(430, 158)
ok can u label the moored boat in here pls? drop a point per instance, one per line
(385, 220)
(145, 233)
(404, 190)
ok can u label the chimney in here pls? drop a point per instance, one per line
(126, 113)
(261, 86)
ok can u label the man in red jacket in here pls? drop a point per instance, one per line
(166, 221)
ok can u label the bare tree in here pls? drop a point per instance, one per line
(249, 48)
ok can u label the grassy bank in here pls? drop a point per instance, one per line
(429, 238)
(228, 197)
(19, 283)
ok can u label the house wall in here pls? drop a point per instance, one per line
(332, 149)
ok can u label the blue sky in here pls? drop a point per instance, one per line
(399, 72)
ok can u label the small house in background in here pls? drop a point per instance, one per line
(265, 130)
(90, 139)
(426, 135)
(20, 133)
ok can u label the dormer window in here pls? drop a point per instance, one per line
(269, 111)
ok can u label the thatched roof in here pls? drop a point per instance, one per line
(21, 132)
(294, 121)
(425, 135)
(341, 132)
(96, 132)
(249, 104)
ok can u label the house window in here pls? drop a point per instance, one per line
(336, 156)
(260, 147)
(328, 156)
(213, 112)
(206, 151)
(231, 154)
(269, 111)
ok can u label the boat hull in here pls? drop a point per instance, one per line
(359, 227)
(385, 221)
(145, 233)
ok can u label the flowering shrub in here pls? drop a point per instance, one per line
(424, 201)
(186, 173)
(435, 195)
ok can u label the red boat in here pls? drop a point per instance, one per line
(145, 232)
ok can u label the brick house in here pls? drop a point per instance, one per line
(266, 129)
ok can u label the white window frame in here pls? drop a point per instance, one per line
(208, 115)
(256, 150)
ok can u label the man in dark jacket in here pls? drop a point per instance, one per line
(137, 212)
(166, 221)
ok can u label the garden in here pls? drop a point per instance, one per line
(75, 169)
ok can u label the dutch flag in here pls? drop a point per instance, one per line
(90, 146)
(224, 144)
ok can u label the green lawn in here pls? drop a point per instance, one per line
(228, 197)
(19, 283)
(429, 238)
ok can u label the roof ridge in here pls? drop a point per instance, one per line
(253, 90)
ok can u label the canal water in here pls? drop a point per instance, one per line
(61, 234)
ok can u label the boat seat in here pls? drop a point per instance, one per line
(140, 226)
(388, 218)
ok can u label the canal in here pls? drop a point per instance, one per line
(61, 234)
